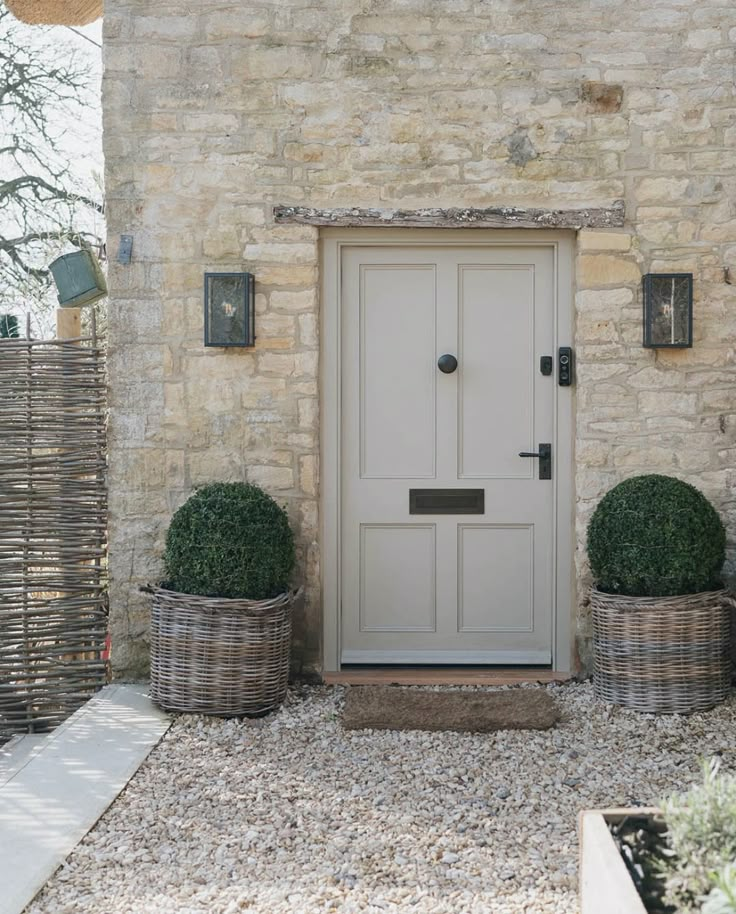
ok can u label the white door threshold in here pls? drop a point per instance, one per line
(52, 792)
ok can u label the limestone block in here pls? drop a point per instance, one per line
(647, 459)
(275, 331)
(308, 411)
(165, 28)
(662, 190)
(663, 403)
(603, 270)
(304, 300)
(700, 39)
(392, 25)
(308, 474)
(698, 460)
(308, 330)
(214, 465)
(274, 63)
(592, 453)
(306, 363)
(302, 440)
(603, 241)
(271, 478)
(234, 24)
(594, 483)
(720, 400)
(596, 330)
(281, 253)
(276, 363)
(605, 300)
(655, 376)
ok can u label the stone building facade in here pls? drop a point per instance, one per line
(216, 112)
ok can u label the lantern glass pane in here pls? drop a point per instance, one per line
(227, 315)
(669, 311)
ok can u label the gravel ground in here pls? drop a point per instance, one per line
(292, 814)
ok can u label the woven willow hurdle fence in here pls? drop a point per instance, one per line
(53, 615)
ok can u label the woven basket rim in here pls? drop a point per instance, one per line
(287, 596)
(700, 596)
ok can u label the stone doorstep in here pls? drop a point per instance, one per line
(54, 788)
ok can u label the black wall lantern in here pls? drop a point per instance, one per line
(229, 309)
(668, 310)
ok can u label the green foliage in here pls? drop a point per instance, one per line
(8, 327)
(722, 900)
(701, 830)
(230, 540)
(656, 536)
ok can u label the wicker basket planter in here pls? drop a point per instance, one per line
(662, 654)
(219, 656)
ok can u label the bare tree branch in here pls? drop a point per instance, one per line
(44, 88)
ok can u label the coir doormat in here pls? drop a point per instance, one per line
(392, 708)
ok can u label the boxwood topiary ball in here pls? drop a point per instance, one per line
(231, 540)
(655, 536)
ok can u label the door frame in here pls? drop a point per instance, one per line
(332, 242)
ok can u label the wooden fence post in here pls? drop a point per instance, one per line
(68, 323)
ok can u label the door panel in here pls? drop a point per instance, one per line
(397, 382)
(495, 578)
(496, 387)
(397, 591)
(445, 588)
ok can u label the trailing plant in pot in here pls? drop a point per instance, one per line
(661, 617)
(221, 622)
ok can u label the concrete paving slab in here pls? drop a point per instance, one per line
(17, 752)
(49, 802)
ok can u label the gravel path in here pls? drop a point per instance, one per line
(291, 814)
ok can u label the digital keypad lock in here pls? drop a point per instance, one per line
(565, 367)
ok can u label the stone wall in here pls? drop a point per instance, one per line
(216, 111)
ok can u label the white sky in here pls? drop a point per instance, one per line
(83, 141)
(80, 142)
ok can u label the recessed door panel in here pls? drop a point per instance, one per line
(496, 389)
(495, 578)
(397, 375)
(397, 566)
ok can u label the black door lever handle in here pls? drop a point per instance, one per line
(545, 459)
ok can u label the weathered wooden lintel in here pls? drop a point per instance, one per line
(490, 217)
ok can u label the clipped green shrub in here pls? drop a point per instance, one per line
(230, 539)
(656, 536)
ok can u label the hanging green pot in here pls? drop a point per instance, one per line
(79, 279)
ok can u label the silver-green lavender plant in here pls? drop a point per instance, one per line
(701, 830)
(722, 900)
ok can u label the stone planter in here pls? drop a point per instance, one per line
(662, 654)
(218, 656)
(605, 884)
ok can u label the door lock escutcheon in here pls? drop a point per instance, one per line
(545, 459)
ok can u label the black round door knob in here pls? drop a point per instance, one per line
(447, 363)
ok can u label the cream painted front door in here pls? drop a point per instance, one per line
(447, 534)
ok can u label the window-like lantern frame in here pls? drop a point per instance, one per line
(650, 338)
(245, 306)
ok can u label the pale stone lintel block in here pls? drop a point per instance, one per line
(606, 269)
(603, 241)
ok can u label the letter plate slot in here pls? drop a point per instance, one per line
(447, 501)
